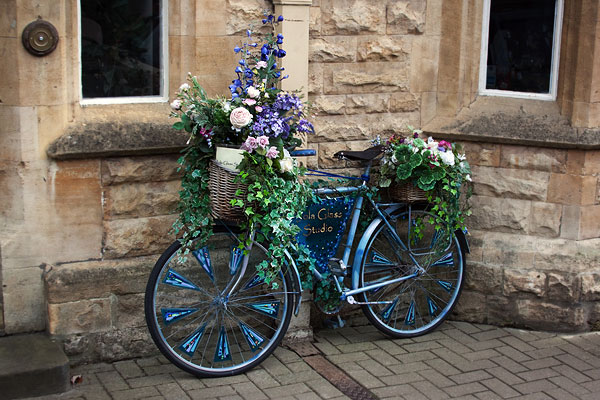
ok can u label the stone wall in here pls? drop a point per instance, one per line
(535, 229)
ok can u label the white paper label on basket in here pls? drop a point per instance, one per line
(229, 158)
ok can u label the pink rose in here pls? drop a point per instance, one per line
(240, 117)
(253, 92)
(250, 144)
(261, 64)
(272, 152)
(263, 141)
(258, 109)
(249, 102)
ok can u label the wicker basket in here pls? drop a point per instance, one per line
(406, 192)
(222, 189)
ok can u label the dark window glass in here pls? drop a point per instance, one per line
(520, 45)
(120, 48)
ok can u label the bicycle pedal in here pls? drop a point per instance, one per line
(337, 267)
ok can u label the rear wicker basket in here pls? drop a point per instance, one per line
(222, 189)
(406, 192)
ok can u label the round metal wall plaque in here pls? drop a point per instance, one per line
(40, 38)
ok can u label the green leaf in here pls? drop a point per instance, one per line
(178, 125)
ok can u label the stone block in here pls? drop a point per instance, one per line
(9, 70)
(212, 53)
(424, 59)
(545, 219)
(97, 279)
(182, 19)
(349, 17)
(182, 55)
(483, 154)
(8, 21)
(139, 236)
(483, 278)
(367, 103)
(129, 311)
(139, 169)
(524, 281)
(365, 77)
(471, 307)
(575, 161)
(406, 17)
(23, 292)
(336, 49)
(590, 286)
(571, 220)
(315, 78)
(360, 127)
(590, 222)
(496, 214)
(327, 150)
(314, 25)
(565, 189)
(563, 287)
(509, 250)
(404, 102)
(82, 316)
(592, 162)
(382, 48)
(510, 183)
(537, 314)
(328, 105)
(241, 12)
(500, 311)
(141, 199)
(534, 158)
(589, 190)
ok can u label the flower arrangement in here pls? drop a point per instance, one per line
(436, 167)
(262, 120)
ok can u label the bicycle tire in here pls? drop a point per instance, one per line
(200, 329)
(418, 305)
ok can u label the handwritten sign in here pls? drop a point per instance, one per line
(322, 226)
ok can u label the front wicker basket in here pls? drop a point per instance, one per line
(406, 192)
(222, 189)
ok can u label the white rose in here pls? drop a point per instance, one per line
(176, 104)
(240, 117)
(287, 163)
(447, 157)
(253, 92)
(184, 87)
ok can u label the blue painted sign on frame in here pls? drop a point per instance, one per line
(322, 227)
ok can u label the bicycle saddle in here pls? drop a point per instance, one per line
(364, 155)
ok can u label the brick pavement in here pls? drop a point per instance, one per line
(459, 360)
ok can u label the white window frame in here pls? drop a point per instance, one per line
(551, 95)
(164, 64)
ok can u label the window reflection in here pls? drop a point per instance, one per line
(120, 48)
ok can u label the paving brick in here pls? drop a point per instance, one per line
(284, 390)
(249, 391)
(227, 380)
(466, 327)
(262, 379)
(112, 380)
(375, 367)
(172, 391)
(297, 377)
(419, 356)
(129, 369)
(401, 379)
(463, 390)
(500, 388)
(429, 390)
(509, 364)
(505, 376)
(382, 357)
(517, 343)
(343, 358)
(390, 347)
(147, 362)
(149, 380)
(490, 334)
(571, 373)
(354, 347)
(535, 386)
(327, 348)
(139, 393)
(543, 373)
(394, 391)
(436, 378)
(574, 362)
(570, 386)
(561, 394)
(483, 345)
(366, 379)
(487, 395)
(324, 389)
(481, 355)
(415, 347)
(216, 391)
(275, 367)
(513, 353)
(469, 377)
(545, 353)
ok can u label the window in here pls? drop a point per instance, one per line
(520, 48)
(123, 50)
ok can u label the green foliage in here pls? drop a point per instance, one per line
(435, 167)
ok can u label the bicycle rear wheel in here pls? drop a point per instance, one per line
(418, 305)
(204, 327)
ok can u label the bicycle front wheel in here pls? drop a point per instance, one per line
(415, 306)
(209, 319)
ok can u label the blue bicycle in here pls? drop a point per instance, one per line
(212, 315)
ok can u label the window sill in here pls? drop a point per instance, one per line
(112, 139)
(506, 120)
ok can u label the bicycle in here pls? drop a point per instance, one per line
(213, 316)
